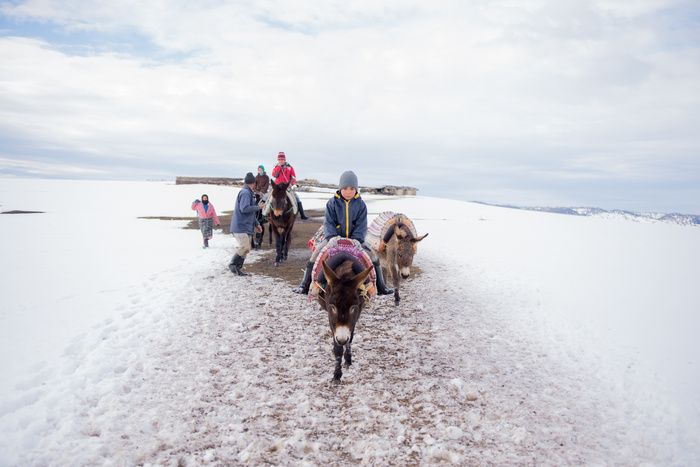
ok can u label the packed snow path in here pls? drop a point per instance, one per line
(238, 370)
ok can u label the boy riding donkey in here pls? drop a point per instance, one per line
(346, 216)
(284, 173)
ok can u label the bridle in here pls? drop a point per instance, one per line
(286, 202)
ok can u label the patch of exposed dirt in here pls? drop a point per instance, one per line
(22, 212)
(291, 270)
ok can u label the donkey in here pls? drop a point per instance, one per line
(256, 240)
(281, 220)
(397, 256)
(343, 302)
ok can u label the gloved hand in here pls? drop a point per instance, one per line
(196, 201)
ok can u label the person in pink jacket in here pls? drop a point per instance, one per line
(207, 217)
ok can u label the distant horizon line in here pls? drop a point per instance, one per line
(502, 205)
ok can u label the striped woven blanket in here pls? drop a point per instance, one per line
(379, 228)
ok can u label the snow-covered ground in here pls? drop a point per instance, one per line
(529, 338)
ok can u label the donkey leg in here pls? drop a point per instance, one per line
(396, 278)
(258, 239)
(348, 355)
(338, 352)
(287, 241)
(278, 248)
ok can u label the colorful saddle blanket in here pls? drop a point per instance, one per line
(317, 239)
(382, 228)
(339, 250)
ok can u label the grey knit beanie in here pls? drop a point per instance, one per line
(348, 179)
(249, 178)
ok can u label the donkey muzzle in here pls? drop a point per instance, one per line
(342, 335)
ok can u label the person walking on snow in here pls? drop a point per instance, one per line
(244, 223)
(284, 173)
(346, 216)
(207, 217)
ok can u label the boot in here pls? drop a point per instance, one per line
(206, 243)
(303, 288)
(240, 265)
(381, 285)
(301, 211)
(236, 264)
(233, 265)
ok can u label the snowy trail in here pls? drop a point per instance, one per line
(223, 370)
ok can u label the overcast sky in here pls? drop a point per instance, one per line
(531, 103)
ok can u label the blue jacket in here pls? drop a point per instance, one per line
(347, 219)
(244, 220)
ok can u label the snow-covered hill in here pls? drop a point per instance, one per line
(673, 218)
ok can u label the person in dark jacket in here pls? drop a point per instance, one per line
(244, 223)
(346, 216)
(262, 180)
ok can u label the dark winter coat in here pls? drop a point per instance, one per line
(347, 219)
(262, 183)
(243, 220)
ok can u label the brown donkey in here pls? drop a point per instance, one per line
(343, 301)
(281, 220)
(397, 256)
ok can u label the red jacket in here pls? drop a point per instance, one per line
(284, 174)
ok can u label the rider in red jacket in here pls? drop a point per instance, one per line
(284, 173)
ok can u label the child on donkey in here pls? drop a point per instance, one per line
(346, 216)
(207, 216)
(283, 172)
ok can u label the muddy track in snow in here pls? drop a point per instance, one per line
(248, 378)
(244, 377)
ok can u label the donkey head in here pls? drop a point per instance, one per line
(278, 197)
(401, 249)
(343, 300)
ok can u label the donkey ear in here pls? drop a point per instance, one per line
(361, 277)
(418, 239)
(330, 274)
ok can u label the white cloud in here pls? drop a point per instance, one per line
(505, 84)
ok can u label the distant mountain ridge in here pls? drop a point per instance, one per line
(674, 218)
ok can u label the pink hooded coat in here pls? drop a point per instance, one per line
(211, 212)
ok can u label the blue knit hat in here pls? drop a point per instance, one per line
(348, 179)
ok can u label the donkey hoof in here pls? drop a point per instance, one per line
(396, 302)
(277, 263)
